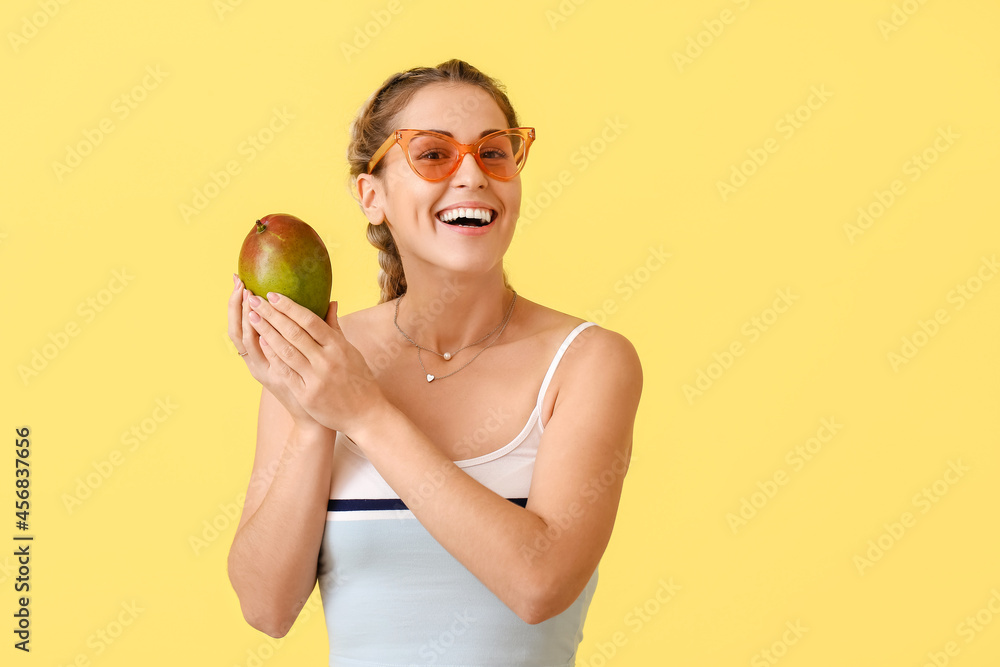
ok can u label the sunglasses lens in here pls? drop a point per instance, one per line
(503, 154)
(434, 157)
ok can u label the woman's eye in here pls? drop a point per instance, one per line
(492, 154)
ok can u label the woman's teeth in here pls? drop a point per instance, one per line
(485, 215)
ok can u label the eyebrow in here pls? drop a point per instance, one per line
(446, 132)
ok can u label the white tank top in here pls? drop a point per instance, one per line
(393, 596)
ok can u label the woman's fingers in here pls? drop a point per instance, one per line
(285, 356)
(262, 361)
(243, 335)
(235, 315)
(254, 358)
(299, 325)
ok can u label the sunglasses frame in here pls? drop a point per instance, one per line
(403, 137)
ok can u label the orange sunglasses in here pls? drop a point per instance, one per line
(434, 156)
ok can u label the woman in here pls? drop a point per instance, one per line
(401, 460)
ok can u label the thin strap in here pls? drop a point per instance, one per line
(555, 362)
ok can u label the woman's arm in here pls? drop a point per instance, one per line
(274, 556)
(539, 558)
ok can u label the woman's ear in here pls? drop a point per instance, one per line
(370, 196)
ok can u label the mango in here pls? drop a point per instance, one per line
(283, 254)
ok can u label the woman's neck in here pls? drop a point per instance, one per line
(447, 315)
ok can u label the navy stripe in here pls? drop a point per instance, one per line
(366, 504)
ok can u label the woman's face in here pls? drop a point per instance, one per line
(411, 205)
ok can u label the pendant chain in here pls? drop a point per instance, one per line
(450, 355)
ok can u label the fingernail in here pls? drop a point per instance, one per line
(236, 280)
(273, 297)
(253, 317)
(245, 292)
(254, 301)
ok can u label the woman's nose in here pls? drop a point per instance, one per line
(468, 172)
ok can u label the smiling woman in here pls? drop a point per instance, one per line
(446, 507)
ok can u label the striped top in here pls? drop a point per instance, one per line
(394, 597)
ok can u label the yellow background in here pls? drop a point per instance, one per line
(663, 132)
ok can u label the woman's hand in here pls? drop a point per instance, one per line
(313, 361)
(246, 340)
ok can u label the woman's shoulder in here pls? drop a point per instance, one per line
(593, 352)
(557, 324)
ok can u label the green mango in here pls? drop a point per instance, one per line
(285, 255)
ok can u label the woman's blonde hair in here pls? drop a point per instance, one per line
(376, 120)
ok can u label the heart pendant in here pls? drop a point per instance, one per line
(429, 377)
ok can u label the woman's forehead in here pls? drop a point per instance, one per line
(452, 107)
